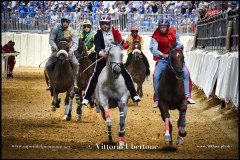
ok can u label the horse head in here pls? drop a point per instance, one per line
(115, 57)
(81, 51)
(176, 62)
(63, 49)
(136, 50)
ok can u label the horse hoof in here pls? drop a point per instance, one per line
(182, 134)
(66, 118)
(79, 118)
(179, 141)
(167, 138)
(53, 108)
(122, 145)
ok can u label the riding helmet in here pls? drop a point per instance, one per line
(66, 17)
(164, 22)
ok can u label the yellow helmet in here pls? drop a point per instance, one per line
(87, 22)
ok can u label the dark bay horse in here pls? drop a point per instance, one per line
(172, 95)
(62, 79)
(137, 68)
(84, 73)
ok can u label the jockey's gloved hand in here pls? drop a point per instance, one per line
(71, 52)
(103, 54)
(89, 52)
(54, 48)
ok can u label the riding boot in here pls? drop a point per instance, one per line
(146, 63)
(129, 58)
(48, 73)
(129, 84)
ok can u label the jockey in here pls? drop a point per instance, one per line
(104, 37)
(87, 37)
(161, 44)
(62, 31)
(9, 48)
(129, 45)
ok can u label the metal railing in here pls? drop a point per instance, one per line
(44, 22)
(213, 33)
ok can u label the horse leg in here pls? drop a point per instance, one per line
(66, 111)
(140, 90)
(121, 133)
(79, 107)
(168, 126)
(53, 108)
(181, 126)
(56, 99)
(108, 122)
(71, 96)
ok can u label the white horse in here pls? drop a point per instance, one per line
(111, 86)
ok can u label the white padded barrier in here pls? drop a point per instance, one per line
(208, 68)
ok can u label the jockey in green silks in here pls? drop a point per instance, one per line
(87, 36)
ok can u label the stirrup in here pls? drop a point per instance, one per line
(136, 99)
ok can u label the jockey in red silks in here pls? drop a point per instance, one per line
(129, 44)
(163, 40)
(9, 48)
(104, 37)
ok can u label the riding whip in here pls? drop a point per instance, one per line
(91, 65)
(42, 62)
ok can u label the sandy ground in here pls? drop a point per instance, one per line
(31, 130)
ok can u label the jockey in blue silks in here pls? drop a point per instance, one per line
(62, 31)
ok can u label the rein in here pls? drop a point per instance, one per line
(170, 62)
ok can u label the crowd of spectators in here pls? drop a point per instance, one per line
(183, 13)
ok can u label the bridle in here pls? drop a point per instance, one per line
(115, 64)
(172, 68)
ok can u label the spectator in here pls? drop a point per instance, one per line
(202, 4)
(186, 5)
(9, 48)
(233, 9)
(224, 7)
(215, 9)
(171, 8)
(202, 14)
(154, 7)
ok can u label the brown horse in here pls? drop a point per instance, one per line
(172, 95)
(62, 79)
(83, 75)
(137, 68)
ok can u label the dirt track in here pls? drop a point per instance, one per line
(28, 126)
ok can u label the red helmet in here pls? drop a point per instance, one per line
(134, 28)
(105, 19)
